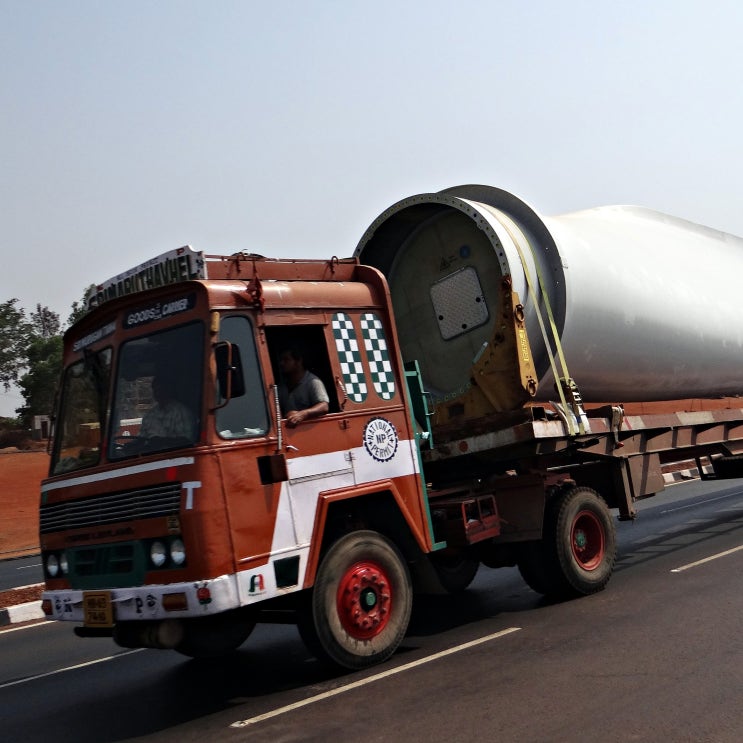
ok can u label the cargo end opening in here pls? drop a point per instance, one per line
(445, 280)
(453, 259)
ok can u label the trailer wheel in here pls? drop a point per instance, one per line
(359, 608)
(580, 542)
(455, 571)
(728, 467)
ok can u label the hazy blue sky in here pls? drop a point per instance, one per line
(285, 128)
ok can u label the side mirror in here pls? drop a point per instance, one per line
(230, 378)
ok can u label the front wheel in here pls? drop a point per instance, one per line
(360, 604)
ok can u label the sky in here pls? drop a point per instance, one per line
(286, 128)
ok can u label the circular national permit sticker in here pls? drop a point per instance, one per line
(380, 439)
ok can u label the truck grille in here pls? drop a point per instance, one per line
(111, 508)
(113, 559)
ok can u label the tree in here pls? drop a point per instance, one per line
(80, 308)
(45, 323)
(43, 363)
(39, 384)
(33, 346)
(15, 333)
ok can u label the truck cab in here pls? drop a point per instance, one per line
(179, 501)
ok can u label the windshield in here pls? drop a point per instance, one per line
(82, 413)
(157, 392)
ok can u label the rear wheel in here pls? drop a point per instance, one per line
(455, 571)
(359, 608)
(532, 564)
(584, 541)
(577, 552)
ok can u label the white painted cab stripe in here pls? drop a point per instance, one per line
(114, 474)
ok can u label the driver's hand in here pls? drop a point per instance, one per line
(295, 416)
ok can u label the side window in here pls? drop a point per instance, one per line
(245, 416)
(308, 343)
(375, 344)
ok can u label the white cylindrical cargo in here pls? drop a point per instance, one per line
(645, 306)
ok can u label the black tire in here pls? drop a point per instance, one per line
(533, 566)
(306, 626)
(455, 571)
(216, 636)
(728, 467)
(359, 607)
(580, 543)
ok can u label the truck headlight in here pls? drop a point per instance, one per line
(178, 552)
(52, 566)
(64, 564)
(158, 554)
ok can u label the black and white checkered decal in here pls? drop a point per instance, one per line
(380, 367)
(347, 345)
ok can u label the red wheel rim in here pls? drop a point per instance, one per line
(364, 600)
(587, 540)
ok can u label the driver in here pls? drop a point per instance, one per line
(168, 417)
(302, 395)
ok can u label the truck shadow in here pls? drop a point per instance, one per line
(493, 592)
(675, 539)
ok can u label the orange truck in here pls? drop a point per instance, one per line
(185, 532)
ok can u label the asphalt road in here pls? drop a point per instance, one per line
(22, 571)
(658, 656)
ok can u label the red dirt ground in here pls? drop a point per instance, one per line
(20, 475)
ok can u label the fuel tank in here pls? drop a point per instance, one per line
(639, 305)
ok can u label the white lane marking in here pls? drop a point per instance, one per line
(369, 680)
(39, 623)
(21, 588)
(701, 502)
(708, 559)
(27, 567)
(69, 668)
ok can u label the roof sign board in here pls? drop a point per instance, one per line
(172, 267)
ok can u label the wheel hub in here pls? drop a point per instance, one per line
(587, 540)
(580, 539)
(364, 600)
(369, 598)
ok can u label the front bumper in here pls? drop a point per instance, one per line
(171, 601)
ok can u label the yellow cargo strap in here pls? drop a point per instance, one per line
(565, 379)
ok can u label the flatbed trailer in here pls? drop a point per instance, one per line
(624, 454)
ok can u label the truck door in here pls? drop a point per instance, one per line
(381, 445)
(317, 456)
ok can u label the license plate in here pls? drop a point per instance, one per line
(98, 609)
